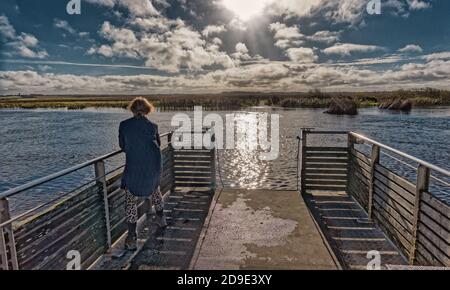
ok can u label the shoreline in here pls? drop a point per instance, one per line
(158, 109)
(225, 102)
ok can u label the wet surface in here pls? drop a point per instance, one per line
(262, 229)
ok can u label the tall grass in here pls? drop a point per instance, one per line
(232, 101)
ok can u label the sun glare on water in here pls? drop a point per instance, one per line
(246, 9)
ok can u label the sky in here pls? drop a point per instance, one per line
(214, 46)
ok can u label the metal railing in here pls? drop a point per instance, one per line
(407, 211)
(8, 254)
(401, 153)
(109, 199)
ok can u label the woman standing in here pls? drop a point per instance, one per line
(139, 139)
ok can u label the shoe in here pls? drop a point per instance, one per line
(159, 219)
(131, 243)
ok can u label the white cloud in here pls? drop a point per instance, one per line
(437, 56)
(348, 11)
(269, 76)
(24, 45)
(418, 5)
(6, 29)
(179, 48)
(135, 7)
(286, 36)
(64, 25)
(411, 48)
(299, 8)
(241, 53)
(213, 29)
(301, 55)
(325, 36)
(346, 49)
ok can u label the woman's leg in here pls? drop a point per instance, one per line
(131, 212)
(157, 200)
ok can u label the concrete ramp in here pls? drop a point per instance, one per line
(261, 229)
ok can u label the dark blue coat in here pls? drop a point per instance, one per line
(139, 139)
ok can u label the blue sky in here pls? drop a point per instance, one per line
(212, 46)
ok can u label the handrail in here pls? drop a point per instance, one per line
(403, 154)
(381, 145)
(34, 183)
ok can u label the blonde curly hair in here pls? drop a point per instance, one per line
(140, 107)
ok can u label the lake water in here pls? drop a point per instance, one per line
(35, 143)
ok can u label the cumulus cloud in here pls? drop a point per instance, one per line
(301, 54)
(325, 36)
(178, 48)
(343, 11)
(213, 29)
(135, 7)
(23, 44)
(437, 56)
(242, 54)
(7, 31)
(411, 48)
(194, 58)
(348, 11)
(271, 76)
(346, 49)
(65, 26)
(418, 4)
(286, 36)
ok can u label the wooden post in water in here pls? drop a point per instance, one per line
(7, 245)
(100, 176)
(422, 185)
(303, 140)
(374, 160)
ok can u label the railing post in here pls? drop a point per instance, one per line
(100, 176)
(7, 245)
(422, 185)
(213, 163)
(172, 157)
(374, 160)
(303, 140)
(350, 145)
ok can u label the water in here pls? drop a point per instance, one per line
(35, 143)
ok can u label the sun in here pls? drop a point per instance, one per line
(246, 9)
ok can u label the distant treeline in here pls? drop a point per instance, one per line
(232, 101)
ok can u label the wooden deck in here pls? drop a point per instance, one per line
(171, 248)
(261, 229)
(351, 234)
(231, 229)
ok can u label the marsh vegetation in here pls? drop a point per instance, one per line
(427, 97)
